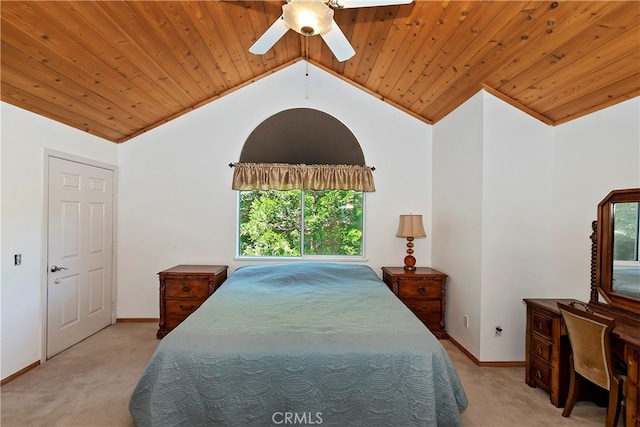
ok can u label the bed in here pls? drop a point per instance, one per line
(302, 343)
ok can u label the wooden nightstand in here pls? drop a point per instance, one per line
(424, 291)
(183, 289)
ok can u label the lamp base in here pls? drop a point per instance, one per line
(409, 263)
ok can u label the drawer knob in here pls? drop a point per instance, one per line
(539, 350)
(187, 308)
(414, 308)
(420, 289)
(539, 374)
(540, 326)
(185, 288)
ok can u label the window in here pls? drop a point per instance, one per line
(299, 223)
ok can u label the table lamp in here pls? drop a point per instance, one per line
(410, 227)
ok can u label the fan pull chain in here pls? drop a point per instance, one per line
(306, 81)
(306, 49)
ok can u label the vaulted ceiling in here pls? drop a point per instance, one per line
(116, 69)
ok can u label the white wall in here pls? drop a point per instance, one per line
(176, 202)
(537, 191)
(457, 216)
(516, 218)
(592, 156)
(24, 139)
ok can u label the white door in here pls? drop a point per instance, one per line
(80, 252)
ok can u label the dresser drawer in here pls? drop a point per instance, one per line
(420, 289)
(542, 324)
(540, 347)
(541, 373)
(178, 310)
(186, 288)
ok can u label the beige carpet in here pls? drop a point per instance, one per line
(89, 386)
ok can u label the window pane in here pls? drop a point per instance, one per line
(333, 222)
(270, 223)
(625, 236)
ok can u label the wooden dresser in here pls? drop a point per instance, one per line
(183, 289)
(548, 347)
(424, 291)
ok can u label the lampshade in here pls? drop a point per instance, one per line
(308, 17)
(411, 226)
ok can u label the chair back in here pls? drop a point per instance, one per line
(590, 338)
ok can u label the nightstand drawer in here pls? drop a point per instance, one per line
(178, 310)
(432, 323)
(428, 311)
(422, 307)
(420, 289)
(187, 288)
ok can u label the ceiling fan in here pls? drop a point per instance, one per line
(315, 17)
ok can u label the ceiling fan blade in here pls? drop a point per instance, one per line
(338, 43)
(348, 4)
(270, 37)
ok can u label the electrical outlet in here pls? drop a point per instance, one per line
(466, 321)
(498, 331)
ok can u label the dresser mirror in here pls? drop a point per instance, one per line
(616, 250)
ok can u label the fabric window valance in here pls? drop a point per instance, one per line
(284, 176)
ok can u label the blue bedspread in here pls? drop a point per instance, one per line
(318, 343)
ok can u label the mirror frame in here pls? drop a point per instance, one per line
(602, 252)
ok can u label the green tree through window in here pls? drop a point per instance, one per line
(296, 223)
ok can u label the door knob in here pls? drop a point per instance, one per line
(55, 268)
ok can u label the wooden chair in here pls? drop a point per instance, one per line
(591, 357)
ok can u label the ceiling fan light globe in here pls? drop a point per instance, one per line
(308, 17)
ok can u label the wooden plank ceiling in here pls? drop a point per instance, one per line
(116, 69)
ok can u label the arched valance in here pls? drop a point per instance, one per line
(302, 148)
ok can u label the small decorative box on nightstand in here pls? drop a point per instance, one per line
(183, 289)
(424, 291)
